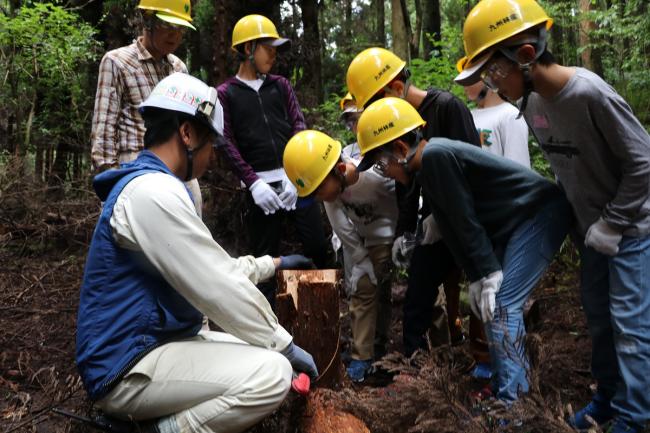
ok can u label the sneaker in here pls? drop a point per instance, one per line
(482, 371)
(358, 370)
(621, 426)
(599, 409)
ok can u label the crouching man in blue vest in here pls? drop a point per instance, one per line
(153, 270)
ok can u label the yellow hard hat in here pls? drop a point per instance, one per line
(253, 27)
(370, 71)
(172, 11)
(308, 158)
(384, 121)
(344, 100)
(491, 22)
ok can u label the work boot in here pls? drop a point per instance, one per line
(359, 369)
(621, 426)
(599, 409)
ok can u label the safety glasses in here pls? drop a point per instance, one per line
(496, 69)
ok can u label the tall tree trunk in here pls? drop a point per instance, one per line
(417, 33)
(347, 28)
(430, 26)
(399, 30)
(313, 94)
(380, 12)
(591, 58)
(220, 44)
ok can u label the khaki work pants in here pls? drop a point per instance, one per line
(211, 383)
(370, 307)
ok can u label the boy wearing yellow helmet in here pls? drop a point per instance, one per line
(262, 113)
(599, 152)
(376, 73)
(502, 222)
(126, 77)
(362, 211)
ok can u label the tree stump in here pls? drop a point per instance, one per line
(307, 305)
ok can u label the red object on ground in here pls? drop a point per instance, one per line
(301, 383)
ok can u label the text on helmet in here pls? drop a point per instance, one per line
(383, 129)
(512, 17)
(382, 72)
(327, 152)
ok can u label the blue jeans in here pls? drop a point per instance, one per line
(529, 251)
(616, 299)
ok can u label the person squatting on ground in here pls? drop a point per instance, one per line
(502, 222)
(127, 76)
(505, 134)
(600, 154)
(362, 211)
(261, 113)
(376, 73)
(153, 269)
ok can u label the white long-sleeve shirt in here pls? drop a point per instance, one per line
(365, 213)
(154, 214)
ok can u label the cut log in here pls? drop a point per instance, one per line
(307, 305)
(321, 417)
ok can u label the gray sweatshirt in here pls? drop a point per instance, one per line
(598, 150)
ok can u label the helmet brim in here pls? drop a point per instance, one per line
(472, 73)
(174, 20)
(368, 159)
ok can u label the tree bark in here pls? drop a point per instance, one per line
(430, 26)
(313, 93)
(380, 12)
(417, 33)
(591, 57)
(399, 31)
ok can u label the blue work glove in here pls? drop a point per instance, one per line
(300, 360)
(296, 261)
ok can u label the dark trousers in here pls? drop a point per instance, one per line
(430, 266)
(266, 231)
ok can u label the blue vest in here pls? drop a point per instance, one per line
(126, 308)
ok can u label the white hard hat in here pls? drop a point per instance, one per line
(187, 94)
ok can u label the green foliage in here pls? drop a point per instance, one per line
(326, 118)
(439, 71)
(44, 51)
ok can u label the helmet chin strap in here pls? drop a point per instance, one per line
(251, 58)
(540, 47)
(190, 164)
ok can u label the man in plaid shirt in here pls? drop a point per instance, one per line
(127, 76)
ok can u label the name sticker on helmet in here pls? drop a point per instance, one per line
(327, 152)
(512, 17)
(383, 129)
(382, 72)
(174, 93)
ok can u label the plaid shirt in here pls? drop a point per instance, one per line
(127, 76)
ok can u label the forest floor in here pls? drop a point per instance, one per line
(43, 240)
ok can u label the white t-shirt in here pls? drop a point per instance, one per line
(502, 133)
(253, 84)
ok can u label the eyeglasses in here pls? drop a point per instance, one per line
(495, 70)
(382, 163)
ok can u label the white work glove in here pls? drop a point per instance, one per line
(289, 194)
(603, 238)
(265, 197)
(491, 285)
(430, 231)
(399, 258)
(364, 267)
